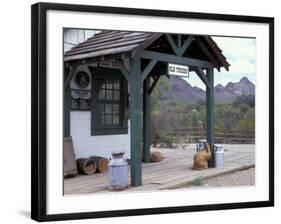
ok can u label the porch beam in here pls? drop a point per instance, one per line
(148, 69)
(135, 119)
(202, 76)
(210, 113)
(146, 121)
(123, 70)
(172, 43)
(186, 45)
(175, 59)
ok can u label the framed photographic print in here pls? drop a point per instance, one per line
(138, 111)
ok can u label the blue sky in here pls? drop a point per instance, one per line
(240, 53)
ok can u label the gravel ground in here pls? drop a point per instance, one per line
(238, 178)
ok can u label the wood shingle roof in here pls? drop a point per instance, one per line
(117, 42)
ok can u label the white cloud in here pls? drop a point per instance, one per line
(237, 47)
(239, 52)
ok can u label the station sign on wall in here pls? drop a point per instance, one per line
(109, 64)
(178, 70)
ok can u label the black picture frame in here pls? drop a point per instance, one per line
(39, 115)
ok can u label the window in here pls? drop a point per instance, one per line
(109, 102)
(108, 112)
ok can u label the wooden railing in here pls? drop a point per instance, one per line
(222, 136)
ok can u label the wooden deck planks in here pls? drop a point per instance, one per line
(175, 171)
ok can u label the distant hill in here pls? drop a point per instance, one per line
(181, 90)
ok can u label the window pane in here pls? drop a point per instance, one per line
(101, 108)
(109, 94)
(108, 84)
(101, 94)
(116, 84)
(115, 119)
(108, 119)
(102, 113)
(115, 108)
(108, 108)
(116, 95)
(101, 84)
(81, 36)
(103, 119)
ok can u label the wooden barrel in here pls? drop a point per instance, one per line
(102, 163)
(86, 166)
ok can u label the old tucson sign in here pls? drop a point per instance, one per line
(178, 70)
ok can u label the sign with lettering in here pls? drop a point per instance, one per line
(109, 64)
(178, 70)
(80, 100)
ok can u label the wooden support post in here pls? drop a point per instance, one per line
(66, 105)
(135, 116)
(210, 113)
(146, 121)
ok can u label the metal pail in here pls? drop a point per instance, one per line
(118, 172)
(219, 156)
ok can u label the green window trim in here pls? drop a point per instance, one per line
(109, 95)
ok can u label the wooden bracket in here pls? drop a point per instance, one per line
(202, 76)
(179, 41)
(148, 69)
(124, 70)
(153, 84)
(172, 43)
(186, 45)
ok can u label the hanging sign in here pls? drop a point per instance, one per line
(178, 70)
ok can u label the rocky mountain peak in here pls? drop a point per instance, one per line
(181, 90)
(245, 80)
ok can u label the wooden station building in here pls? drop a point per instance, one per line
(108, 80)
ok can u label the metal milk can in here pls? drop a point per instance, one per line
(118, 172)
(219, 156)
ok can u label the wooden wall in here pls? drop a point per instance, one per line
(86, 145)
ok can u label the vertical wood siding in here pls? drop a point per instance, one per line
(86, 145)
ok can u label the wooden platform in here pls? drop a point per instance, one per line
(175, 171)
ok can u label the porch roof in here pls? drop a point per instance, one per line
(108, 43)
